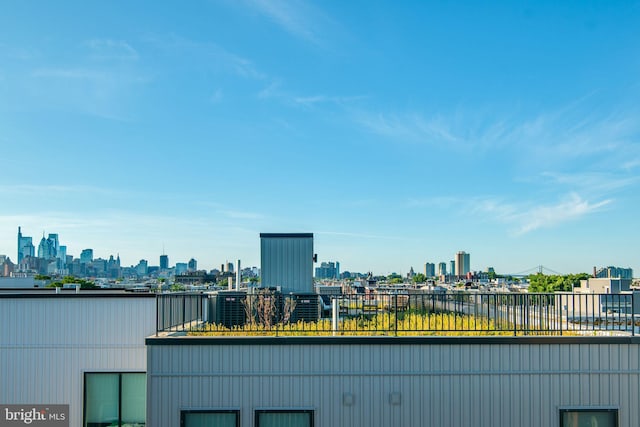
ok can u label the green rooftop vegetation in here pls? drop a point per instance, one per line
(382, 324)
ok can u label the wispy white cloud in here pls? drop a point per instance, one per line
(409, 127)
(206, 54)
(96, 91)
(576, 130)
(109, 49)
(19, 53)
(274, 90)
(70, 73)
(359, 235)
(527, 217)
(631, 164)
(216, 96)
(314, 100)
(298, 18)
(241, 214)
(438, 202)
(591, 182)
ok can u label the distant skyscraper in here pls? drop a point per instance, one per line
(452, 267)
(430, 269)
(53, 238)
(25, 246)
(164, 262)
(192, 265)
(442, 269)
(61, 256)
(463, 263)
(328, 270)
(181, 268)
(86, 256)
(142, 268)
(19, 253)
(46, 248)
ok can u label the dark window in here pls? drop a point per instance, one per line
(115, 399)
(284, 418)
(210, 418)
(588, 417)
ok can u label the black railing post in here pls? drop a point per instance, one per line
(560, 313)
(170, 298)
(395, 302)
(184, 310)
(515, 325)
(633, 314)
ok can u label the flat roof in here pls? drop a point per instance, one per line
(71, 293)
(286, 235)
(388, 340)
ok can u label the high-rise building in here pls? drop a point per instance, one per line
(46, 248)
(142, 268)
(62, 256)
(328, 270)
(181, 268)
(442, 269)
(86, 256)
(613, 273)
(113, 267)
(452, 267)
(430, 269)
(53, 238)
(6, 266)
(164, 262)
(463, 263)
(25, 246)
(192, 265)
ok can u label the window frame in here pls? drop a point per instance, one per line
(608, 409)
(119, 373)
(309, 411)
(209, 411)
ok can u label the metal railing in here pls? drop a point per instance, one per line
(178, 311)
(399, 314)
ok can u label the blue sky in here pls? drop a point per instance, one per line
(397, 132)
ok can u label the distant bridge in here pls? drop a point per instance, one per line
(541, 269)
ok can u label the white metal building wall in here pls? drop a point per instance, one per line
(47, 344)
(286, 260)
(518, 382)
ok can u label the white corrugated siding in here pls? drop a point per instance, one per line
(440, 385)
(46, 345)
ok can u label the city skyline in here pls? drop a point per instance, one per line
(461, 264)
(398, 134)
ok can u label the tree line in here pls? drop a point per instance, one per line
(555, 283)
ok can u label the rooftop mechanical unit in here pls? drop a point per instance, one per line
(227, 308)
(307, 307)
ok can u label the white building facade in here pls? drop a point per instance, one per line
(83, 350)
(394, 381)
